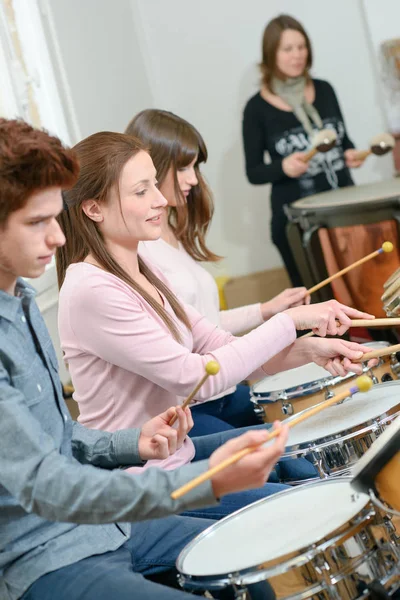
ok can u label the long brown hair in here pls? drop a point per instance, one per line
(173, 142)
(270, 44)
(102, 157)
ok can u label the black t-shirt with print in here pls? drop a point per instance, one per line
(279, 133)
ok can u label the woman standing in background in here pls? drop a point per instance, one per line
(282, 118)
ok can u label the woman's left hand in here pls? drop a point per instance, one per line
(337, 356)
(352, 157)
(286, 299)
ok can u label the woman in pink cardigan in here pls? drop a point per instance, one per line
(177, 151)
(131, 347)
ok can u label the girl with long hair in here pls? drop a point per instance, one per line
(178, 151)
(132, 348)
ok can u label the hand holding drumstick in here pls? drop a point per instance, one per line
(211, 368)
(325, 318)
(224, 464)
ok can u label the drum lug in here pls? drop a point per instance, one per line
(328, 394)
(240, 593)
(395, 364)
(287, 408)
(371, 374)
(259, 412)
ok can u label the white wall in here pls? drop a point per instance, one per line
(101, 58)
(383, 22)
(198, 59)
(202, 66)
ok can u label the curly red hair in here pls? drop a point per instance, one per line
(31, 160)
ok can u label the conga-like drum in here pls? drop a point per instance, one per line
(290, 392)
(320, 541)
(329, 231)
(377, 473)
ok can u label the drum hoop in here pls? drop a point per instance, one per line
(260, 571)
(343, 435)
(308, 388)
(381, 505)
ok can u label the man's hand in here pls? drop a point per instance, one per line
(158, 439)
(253, 470)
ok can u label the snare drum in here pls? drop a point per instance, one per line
(290, 392)
(316, 541)
(338, 436)
(378, 471)
(329, 231)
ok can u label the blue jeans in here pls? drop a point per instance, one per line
(231, 411)
(151, 550)
(289, 469)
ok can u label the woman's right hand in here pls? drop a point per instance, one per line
(325, 318)
(294, 165)
(253, 470)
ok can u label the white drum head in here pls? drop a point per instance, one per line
(291, 379)
(271, 528)
(367, 193)
(355, 411)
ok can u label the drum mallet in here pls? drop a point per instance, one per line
(379, 145)
(362, 384)
(323, 141)
(211, 368)
(386, 247)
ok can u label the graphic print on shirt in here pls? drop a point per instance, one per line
(329, 163)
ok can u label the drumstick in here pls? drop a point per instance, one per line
(378, 353)
(388, 322)
(386, 247)
(212, 368)
(363, 384)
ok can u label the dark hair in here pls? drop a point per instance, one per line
(173, 142)
(102, 157)
(270, 44)
(30, 160)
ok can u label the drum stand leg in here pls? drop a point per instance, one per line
(240, 593)
(319, 464)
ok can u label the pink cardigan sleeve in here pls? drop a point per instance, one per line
(119, 327)
(243, 318)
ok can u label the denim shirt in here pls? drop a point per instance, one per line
(60, 489)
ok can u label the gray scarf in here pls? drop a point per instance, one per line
(292, 92)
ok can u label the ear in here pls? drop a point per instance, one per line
(92, 209)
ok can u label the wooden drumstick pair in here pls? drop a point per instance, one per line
(325, 140)
(362, 384)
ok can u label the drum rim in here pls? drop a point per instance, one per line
(265, 569)
(298, 208)
(339, 437)
(308, 388)
(263, 397)
(364, 477)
